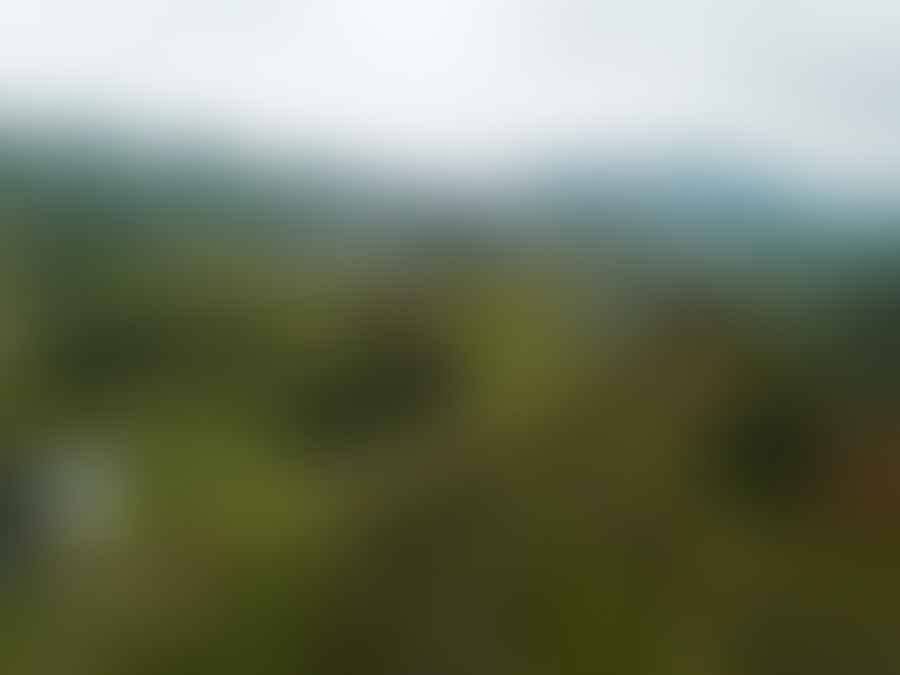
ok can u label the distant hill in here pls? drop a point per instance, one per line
(106, 183)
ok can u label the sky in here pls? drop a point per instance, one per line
(811, 85)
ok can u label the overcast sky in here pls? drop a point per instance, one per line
(814, 84)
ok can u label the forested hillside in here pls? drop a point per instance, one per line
(291, 422)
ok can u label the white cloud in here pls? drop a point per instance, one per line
(814, 83)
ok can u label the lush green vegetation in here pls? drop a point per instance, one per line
(510, 459)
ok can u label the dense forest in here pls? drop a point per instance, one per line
(295, 419)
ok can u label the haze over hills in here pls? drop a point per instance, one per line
(679, 194)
